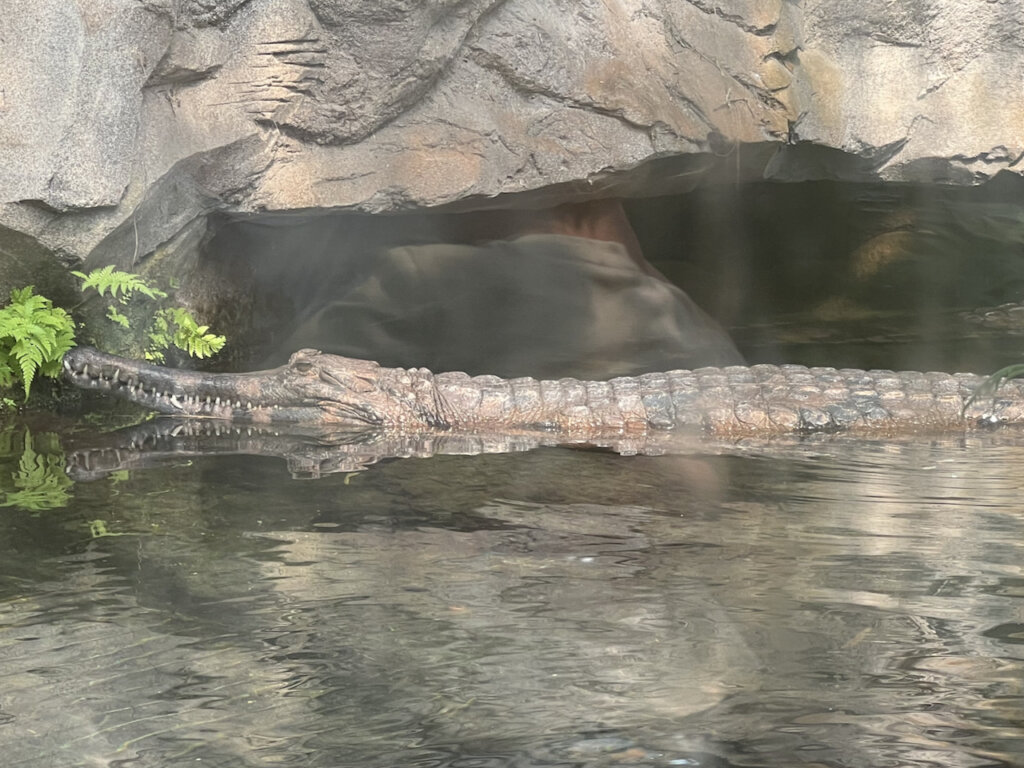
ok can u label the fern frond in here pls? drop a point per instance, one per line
(6, 374)
(21, 295)
(120, 285)
(29, 357)
(114, 316)
(34, 335)
(25, 304)
(178, 327)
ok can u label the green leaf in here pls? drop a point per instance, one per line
(34, 335)
(117, 317)
(170, 325)
(120, 285)
(176, 325)
(991, 385)
(98, 529)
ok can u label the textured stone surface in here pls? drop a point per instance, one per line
(122, 122)
(926, 91)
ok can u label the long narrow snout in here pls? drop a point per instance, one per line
(166, 390)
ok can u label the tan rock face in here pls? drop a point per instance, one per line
(919, 87)
(121, 122)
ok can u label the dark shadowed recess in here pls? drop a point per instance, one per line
(819, 273)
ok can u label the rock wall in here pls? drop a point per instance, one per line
(123, 123)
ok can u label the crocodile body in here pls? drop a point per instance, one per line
(760, 401)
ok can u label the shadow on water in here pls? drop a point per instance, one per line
(821, 602)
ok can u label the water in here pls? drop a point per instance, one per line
(816, 603)
(832, 603)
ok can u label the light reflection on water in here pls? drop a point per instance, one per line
(823, 604)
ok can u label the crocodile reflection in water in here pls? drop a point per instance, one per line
(310, 452)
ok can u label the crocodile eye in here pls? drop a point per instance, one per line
(302, 366)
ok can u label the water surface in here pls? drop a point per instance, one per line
(826, 603)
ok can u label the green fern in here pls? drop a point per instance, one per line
(117, 317)
(190, 337)
(120, 285)
(170, 325)
(34, 335)
(159, 335)
(176, 326)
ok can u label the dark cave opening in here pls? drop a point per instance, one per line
(814, 272)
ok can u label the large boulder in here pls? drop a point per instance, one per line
(123, 123)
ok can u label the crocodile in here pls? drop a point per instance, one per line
(315, 388)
